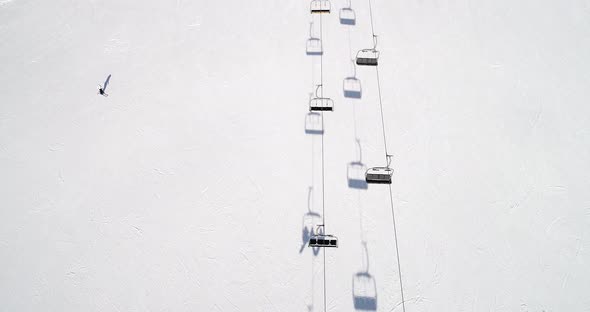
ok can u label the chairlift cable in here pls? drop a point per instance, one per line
(387, 159)
(323, 184)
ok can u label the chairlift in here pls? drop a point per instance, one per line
(314, 123)
(313, 45)
(364, 292)
(380, 175)
(355, 174)
(319, 103)
(368, 57)
(320, 6)
(352, 86)
(323, 240)
(347, 15)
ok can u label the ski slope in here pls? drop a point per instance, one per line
(192, 185)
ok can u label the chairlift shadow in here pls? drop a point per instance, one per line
(313, 45)
(314, 123)
(347, 15)
(364, 288)
(355, 171)
(351, 86)
(310, 220)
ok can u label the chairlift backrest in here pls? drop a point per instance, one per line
(320, 6)
(321, 104)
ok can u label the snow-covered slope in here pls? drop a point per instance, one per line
(189, 188)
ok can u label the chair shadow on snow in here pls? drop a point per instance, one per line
(310, 220)
(351, 86)
(364, 287)
(347, 15)
(355, 171)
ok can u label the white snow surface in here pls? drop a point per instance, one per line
(186, 189)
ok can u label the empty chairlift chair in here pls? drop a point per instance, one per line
(319, 103)
(313, 45)
(347, 15)
(368, 57)
(319, 6)
(323, 240)
(380, 175)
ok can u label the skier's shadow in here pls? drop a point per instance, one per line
(106, 83)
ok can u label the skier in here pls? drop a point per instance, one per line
(101, 91)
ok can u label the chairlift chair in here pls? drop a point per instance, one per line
(364, 292)
(319, 103)
(322, 240)
(347, 15)
(355, 174)
(314, 123)
(380, 175)
(320, 6)
(368, 57)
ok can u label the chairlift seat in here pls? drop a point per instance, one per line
(379, 175)
(366, 61)
(321, 104)
(367, 57)
(323, 241)
(320, 6)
